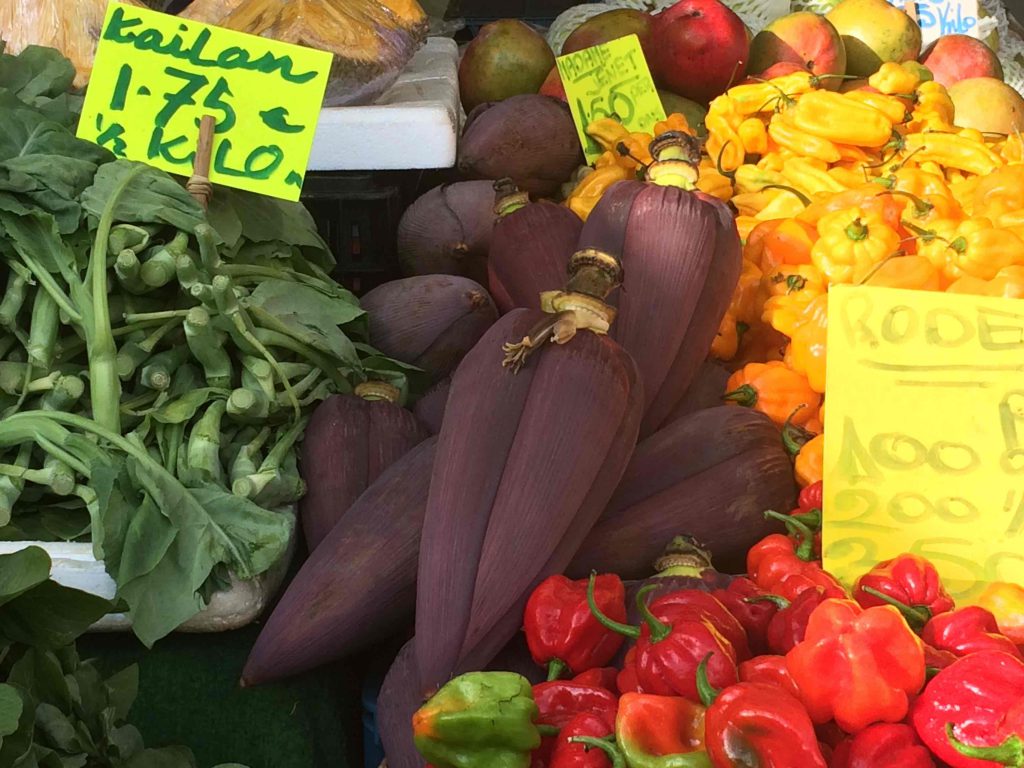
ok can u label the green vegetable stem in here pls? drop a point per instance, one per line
(128, 270)
(207, 346)
(159, 371)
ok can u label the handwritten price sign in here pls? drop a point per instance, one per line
(155, 77)
(943, 17)
(610, 80)
(924, 447)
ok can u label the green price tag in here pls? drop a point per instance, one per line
(610, 80)
(155, 76)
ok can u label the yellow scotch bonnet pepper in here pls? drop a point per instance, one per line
(834, 117)
(851, 243)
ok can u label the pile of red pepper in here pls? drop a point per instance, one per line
(782, 669)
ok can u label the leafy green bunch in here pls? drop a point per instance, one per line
(158, 362)
(57, 710)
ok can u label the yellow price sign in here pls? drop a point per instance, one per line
(155, 76)
(610, 80)
(924, 434)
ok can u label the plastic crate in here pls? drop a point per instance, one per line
(357, 213)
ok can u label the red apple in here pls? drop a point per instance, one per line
(803, 38)
(699, 49)
(552, 86)
(953, 58)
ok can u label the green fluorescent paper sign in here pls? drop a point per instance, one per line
(610, 80)
(155, 76)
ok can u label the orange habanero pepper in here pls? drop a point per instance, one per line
(775, 390)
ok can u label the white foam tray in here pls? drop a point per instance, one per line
(73, 565)
(415, 124)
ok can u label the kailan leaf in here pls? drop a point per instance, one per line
(153, 197)
(22, 571)
(10, 709)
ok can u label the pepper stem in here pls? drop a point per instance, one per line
(916, 615)
(556, 668)
(796, 527)
(796, 192)
(1010, 753)
(707, 692)
(745, 396)
(780, 602)
(659, 629)
(856, 229)
(606, 621)
(921, 207)
(794, 437)
(591, 742)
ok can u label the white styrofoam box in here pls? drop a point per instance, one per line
(73, 565)
(415, 124)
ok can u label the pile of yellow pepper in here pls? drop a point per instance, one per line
(859, 185)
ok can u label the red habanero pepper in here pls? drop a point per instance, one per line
(757, 724)
(668, 651)
(575, 746)
(910, 583)
(602, 677)
(661, 732)
(559, 701)
(744, 600)
(626, 681)
(789, 626)
(810, 497)
(883, 745)
(968, 630)
(857, 666)
(783, 567)
(560, 630)
(681, 602)
(971, 715)
(770, 670)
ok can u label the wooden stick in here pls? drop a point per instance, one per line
(199, 185)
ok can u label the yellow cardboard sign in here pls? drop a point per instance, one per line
(155, 76)
(610, 80)
(924, 434)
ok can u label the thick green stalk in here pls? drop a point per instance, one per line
(104, 384)
(45, 325)
(207, 345)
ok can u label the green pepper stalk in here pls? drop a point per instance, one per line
(61, 478)
(161, 263)
(66, 393)
(228, 305)
(207, 345)
(203, 455)
(16, 379)
(208, 253)
(159, 371)
(258, 375)
(187, 271)
(135, 353)
(104, 385)
(248, 405)
(128, 270)
(13, 300)
(271, 470)
(328, 366)
(45, 325)
(12, 485)
(244, 463)
(125, 237)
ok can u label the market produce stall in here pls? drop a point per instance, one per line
(574, 485)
